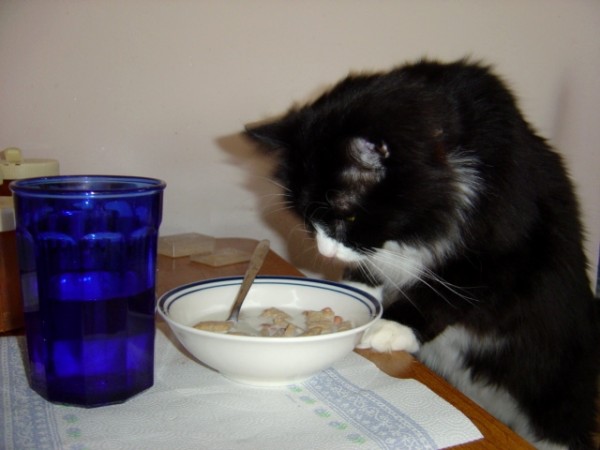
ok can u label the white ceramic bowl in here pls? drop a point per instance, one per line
(267, 361)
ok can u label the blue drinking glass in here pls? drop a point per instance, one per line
(87, 258)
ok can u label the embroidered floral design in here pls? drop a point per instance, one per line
(73, 432)
(338, 425)
(356, 438)
(70, 418)
(322, 412)
(308, 400)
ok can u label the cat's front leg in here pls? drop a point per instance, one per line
(385, 335)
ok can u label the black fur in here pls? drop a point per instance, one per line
(515, 271)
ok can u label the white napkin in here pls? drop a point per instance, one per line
(352, 405)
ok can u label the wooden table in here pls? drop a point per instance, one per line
(173, 272)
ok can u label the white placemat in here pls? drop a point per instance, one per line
(352, 405)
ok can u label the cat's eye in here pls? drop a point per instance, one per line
(350, 219)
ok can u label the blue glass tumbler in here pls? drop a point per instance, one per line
(87, 258)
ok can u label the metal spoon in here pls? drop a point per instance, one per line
(256, 262)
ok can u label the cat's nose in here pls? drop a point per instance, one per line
(331, 248)
(325, 244)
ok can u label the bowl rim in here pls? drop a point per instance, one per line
(168, 298)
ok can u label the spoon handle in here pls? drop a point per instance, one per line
(256, 261)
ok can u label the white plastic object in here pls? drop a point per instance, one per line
(14, 167)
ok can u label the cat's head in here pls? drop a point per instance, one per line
(370, 162)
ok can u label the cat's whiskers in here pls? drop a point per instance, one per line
(381, 259)
(368, 274)
(276, 202)
(368, 271)
(386, 258)
(299, 228)
(285, 195)
(276, 208)
(273, 181)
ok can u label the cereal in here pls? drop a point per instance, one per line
(273, 322)
(216, 326)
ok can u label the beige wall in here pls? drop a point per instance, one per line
(160, 88)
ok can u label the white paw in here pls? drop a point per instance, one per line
(386, 336)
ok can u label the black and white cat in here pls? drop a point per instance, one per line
(429, 183)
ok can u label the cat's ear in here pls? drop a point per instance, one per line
(368, 154)
(272, 135)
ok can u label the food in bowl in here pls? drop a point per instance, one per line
(257, 360)
(273, 322)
